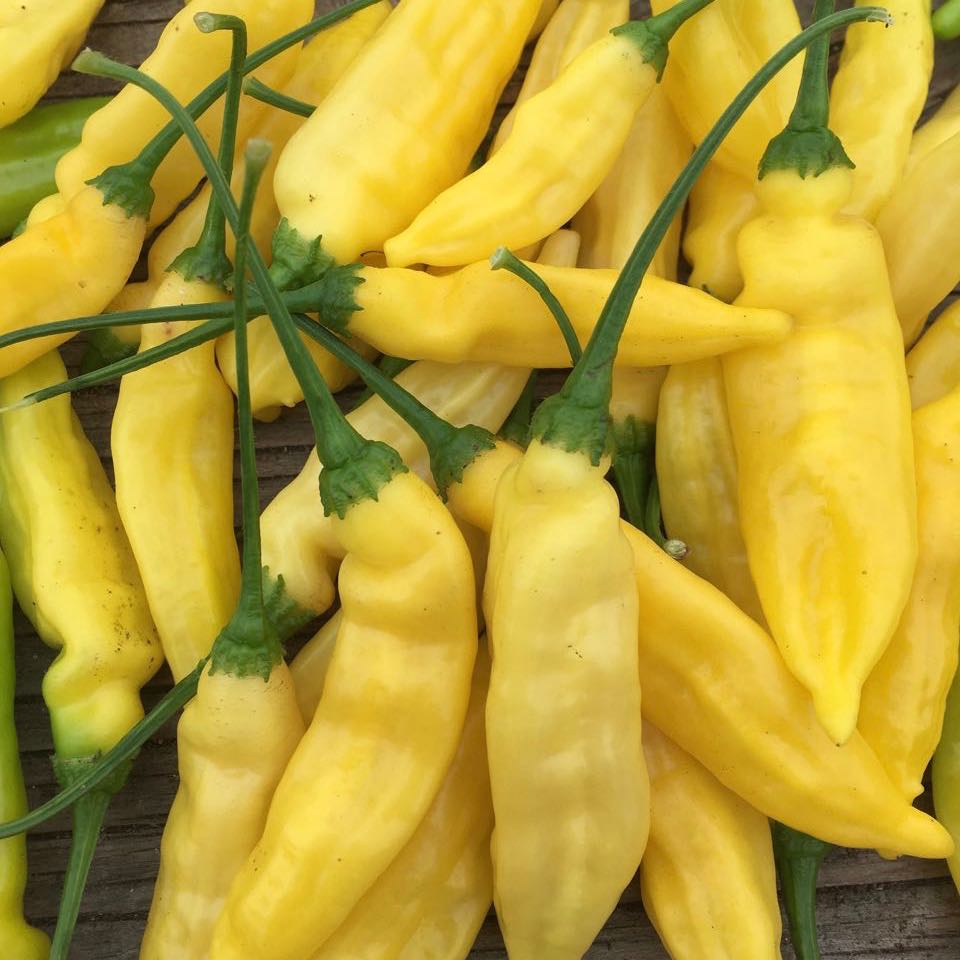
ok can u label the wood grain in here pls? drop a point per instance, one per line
(870, 909)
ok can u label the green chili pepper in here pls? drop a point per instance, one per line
(946, 21)
(29, 151)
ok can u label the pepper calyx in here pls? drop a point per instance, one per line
(809, 152)
(575, 423)
(205, 263)
(633, 466)
(335, 299)
(248, 646)
(653, 47)
(359, 477)
(282, 612)
(69, 770)
(126, 186)
(297, 261)
(449, 461)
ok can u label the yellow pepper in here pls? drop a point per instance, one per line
(814, 471)
(697, 469)
(564, 142)
(362, 167)
(36, 39)
(548, 9)
(708, 880)
(876, 99)
(938, 129)
(905, 696)
(432, 899)
(470, 315)
(82, 593)
(933, 365)
(575, 25)
(917, 225)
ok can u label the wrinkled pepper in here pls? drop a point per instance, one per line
(17, 938)
(237, 735)
(933, 365)
(37, 38)
(815, 470)
(83, 595)
(938, 129)
(361, 168)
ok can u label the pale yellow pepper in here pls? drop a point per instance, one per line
(816, 470)
(37, 38)
(707, 877)
(938, 129)
(877, 96)
(933, 365)
(548, 9)
(362, 167)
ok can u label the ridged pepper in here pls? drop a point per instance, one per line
(18, 940)
(361, 168)
(933, 365)
(905, 695)
(432, 899)
(469, 315)
(815, 468)
(30, 149)
(575, 25)
(917, 225)
(564, 142)
(697, 470)
(707, 878)
(37, 37)
(236, 736)
(938, 129)
(83, 595)
(877, 95)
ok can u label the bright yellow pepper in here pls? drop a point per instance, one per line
(564, 142)
(37, 37)
(815, 470)
(697, 469)
(470, 315)
(876, 99)
(933, 365)
(575, 25)
(905, 696)
(708, 880)
(938, 129)
(917, 225)
(362, 167)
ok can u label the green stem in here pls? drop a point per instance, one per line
(516, 428)
(258, 90)
(112, 761)
(577, 418)
(633, 444)
(946, 20)
(88, 816)
(653, 35)
(503, 259)
(798, 859)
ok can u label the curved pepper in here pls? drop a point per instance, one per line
(917, 225)
(548, 9)
(469, 315)
(362, 167)
(938, 129)
(17, 938)
(814, 470)
(83, 594)
(876, 99)
(905, 695)
(933, 365)
(707, 878)
(564, 142)
(37, 37)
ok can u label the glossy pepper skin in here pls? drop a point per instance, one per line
(298, 540)
(748, 720)
(815, 468)
(172, 447)
(707, 877)
(697, 470)
(409, 632)
(17, 938)
(468, 316)
(37, 37)
(876, 99)
(905, 695)
(569, 782)
(917, 227)
(29, 151)
(361, 168)
(433, 898)
(933, 365)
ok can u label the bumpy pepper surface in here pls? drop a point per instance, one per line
(37, 37)
(707, 878)
(361, 168)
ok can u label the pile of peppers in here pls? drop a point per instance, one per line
(689, 610)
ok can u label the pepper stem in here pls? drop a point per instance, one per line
(653, 35)
(516, 428)
(807, 145)
(577, 418)
(258, 90)
(798, 859)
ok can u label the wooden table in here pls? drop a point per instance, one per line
(869, 908)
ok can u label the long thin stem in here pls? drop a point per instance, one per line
(258, 90)
(812, 108)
